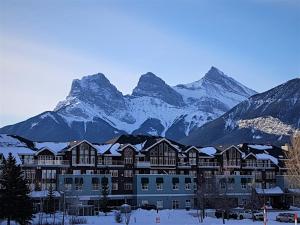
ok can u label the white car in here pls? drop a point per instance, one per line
(247, 214)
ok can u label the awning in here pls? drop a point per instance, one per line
(188, 180)
(159, 180)
(145, 180)
(175, 180)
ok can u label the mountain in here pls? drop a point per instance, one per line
(95, 110)
(269, 117)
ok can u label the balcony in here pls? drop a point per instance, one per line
(46, 163)
(232, 164)
(184, 165)
(208, 164)
(113, 163)
(257, 166)
(142, 164)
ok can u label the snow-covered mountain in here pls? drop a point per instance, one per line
(269, 117)
(95, 110)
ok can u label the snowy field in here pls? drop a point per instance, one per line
(167, 217)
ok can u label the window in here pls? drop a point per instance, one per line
(128, 186)
(107, 160)
(193, 173)
(244, 185)
(188, 203)
(100, 161)
(127, 173)
(175, 186)
(145, 186)
(159, 186)
(160, 204)
(175, 204)
(76, 172)
(95, 183)
(145, 202)
(115, 186)
(188, 186)
(114, 173)
(78, 183)
(89, 171)
(153, 171)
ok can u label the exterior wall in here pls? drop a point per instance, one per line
(87, 192)
(167, 194)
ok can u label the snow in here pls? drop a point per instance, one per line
(43, 194)
(274, 190)
(171, 217)
(102, 148)
(260, 147)
(15, 152)
(269, 125)
(114, 149)
(54, 146)
(209, 150)
(140, 146)
(216, 98)
(48, 115)
(6, 141)
(265, 156)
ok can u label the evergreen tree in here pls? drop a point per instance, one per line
(14, 194)
(104, 198)
(50, 201)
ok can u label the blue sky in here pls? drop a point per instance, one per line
(44, 45)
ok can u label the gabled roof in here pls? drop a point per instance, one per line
(44, 149)
(162, 140)
(233, 146)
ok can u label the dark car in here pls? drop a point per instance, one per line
(148, 206)
(228, 214)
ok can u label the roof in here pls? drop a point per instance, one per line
(53, 146)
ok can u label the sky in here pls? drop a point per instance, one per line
(44, 45)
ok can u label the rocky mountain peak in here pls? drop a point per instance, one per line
(95, 90)
(152, 86)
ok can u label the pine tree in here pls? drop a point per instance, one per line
(104, 198)
(14, 194)
(50, 201)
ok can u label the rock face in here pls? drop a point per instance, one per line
(95, 110)
(269, 117)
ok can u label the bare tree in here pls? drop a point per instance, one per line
(293, 162)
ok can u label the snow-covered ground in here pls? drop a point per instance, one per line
(168, 217)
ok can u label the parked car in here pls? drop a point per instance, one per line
(286, 217)
(248, 214)
(228, 214)
(258, 215)
(148, 206)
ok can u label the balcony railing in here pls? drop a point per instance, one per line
(208, 164)
(184, 164)
(256, 165)
(231, 164)
(46, 162)
(142, 164)
(112, 163)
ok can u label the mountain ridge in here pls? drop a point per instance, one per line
(97, 111)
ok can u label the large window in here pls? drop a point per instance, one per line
(127, 173)
(175, 204)
(193, 158)
(160, 204)
(145, 186)
(115, 186)
(114, 173)
(128, 186)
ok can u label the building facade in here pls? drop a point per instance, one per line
(143, 170)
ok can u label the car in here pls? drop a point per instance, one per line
(258, 215)
(244, 214)
(228, 214)
(148, 206)
(286, 217)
